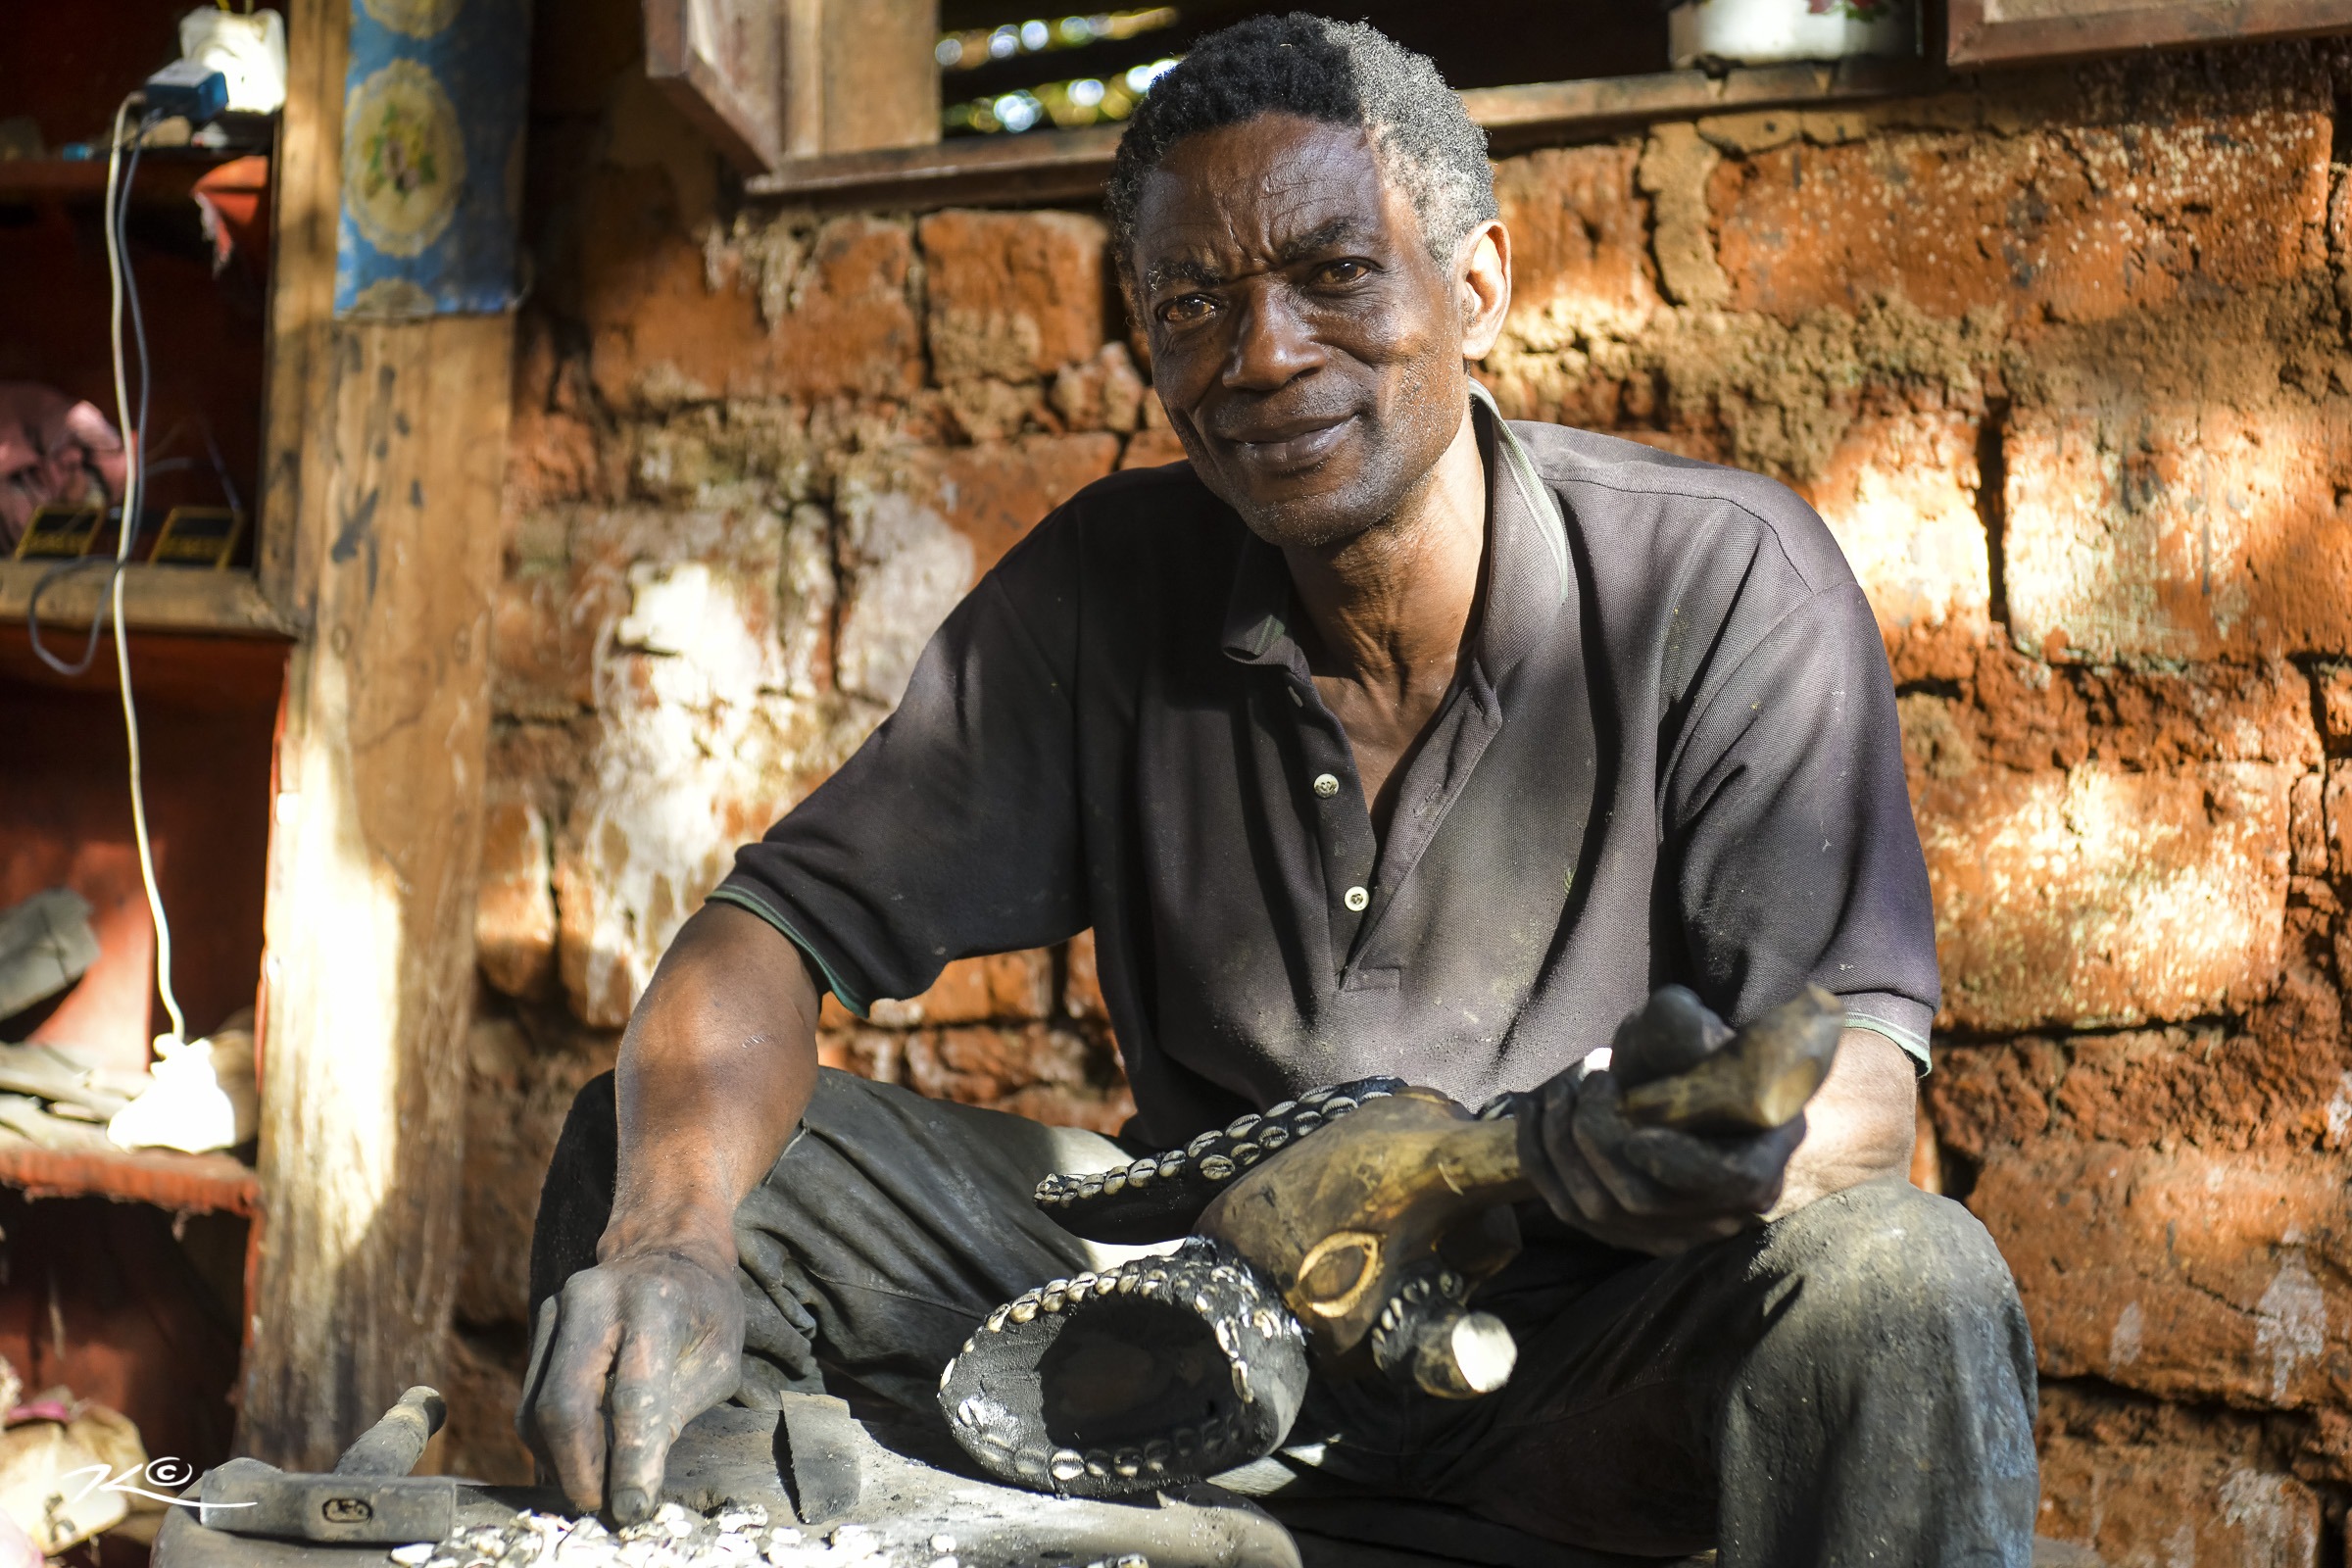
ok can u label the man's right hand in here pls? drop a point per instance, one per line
(717, 1065)
(623, 1357)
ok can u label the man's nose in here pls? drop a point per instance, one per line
(1272, 344)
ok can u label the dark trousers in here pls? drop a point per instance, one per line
(1853, 1384)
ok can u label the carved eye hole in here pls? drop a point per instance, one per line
(1341, 1265)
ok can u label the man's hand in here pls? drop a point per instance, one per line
(717, 1065)
(1659, 1189)
(1652, 1189)
(667, 1331)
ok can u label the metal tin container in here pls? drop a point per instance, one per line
(1757, 32)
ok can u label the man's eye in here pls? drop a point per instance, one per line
(1185, 308)
(1339, 272)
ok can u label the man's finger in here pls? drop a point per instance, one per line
(680, 1354)
(644, 1401)
(1741, 1173)
(569, 1412)
(1594, 1204)
(1599, 1132)
(534, 1374)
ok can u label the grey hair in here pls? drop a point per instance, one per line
(1338, 73)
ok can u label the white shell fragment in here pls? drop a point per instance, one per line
(738, 1536)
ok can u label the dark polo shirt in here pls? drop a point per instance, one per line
(1669, 756)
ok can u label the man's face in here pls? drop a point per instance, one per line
(1307, 348)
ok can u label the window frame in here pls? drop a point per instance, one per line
(1072, 164)
(787, 147)
(1980, 36)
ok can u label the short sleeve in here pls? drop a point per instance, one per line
(954, 829)
(1791, 844)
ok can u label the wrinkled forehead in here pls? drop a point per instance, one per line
(1247, 197)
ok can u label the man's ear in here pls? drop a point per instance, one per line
(1482, 271)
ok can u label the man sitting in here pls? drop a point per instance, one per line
(1385, 736)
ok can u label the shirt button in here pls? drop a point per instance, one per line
(1356, 898)
(1326, 785)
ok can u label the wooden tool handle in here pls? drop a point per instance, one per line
(1760, 1079)
(393, 1445)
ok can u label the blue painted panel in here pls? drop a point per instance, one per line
(433, 157)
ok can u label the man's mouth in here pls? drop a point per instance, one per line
(1290, 443)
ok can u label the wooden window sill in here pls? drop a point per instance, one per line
(1072, 164)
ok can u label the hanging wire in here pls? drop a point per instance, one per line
(123, 285)
(123, 282)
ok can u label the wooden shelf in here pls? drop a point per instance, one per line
(226, 603)
(1068, 164)
(181, 1182)
(164, 175)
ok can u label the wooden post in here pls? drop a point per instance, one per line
(373, 861)
(386, 445)
(306, 173)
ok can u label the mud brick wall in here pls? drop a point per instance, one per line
(2062, 358)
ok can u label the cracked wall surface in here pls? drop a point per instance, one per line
(2062, 358)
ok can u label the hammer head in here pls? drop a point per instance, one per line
(247, 1497)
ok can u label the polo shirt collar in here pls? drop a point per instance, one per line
(1528, 573)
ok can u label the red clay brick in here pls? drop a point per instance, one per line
(541, 669)
(514, 913)
(2186, 1273)
(1013, 295)
(2077, 222)
(2307, 826)
(1104, 1112)
(1580, 248)
(876, 1053)
(1985, 1098)
(1101, 393)
(2276, 1089)
(1082, 987)
(981, 1065)
(1002, 988)
(2101, 897)
(2212, 714)
(689, 752)
(920, 524)
(2180, 532)
(1151, 448)
(2333, 685)
(2026, 715)
(991, 494)
(996, 494)
(1900, 494)
(662, 333)
(2335, 805)
(2144, 1484)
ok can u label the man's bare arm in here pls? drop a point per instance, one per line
(716, 1067)
(1859, 1126)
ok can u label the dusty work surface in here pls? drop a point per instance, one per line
(852, 1493)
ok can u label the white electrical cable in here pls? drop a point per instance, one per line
(124, 536)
